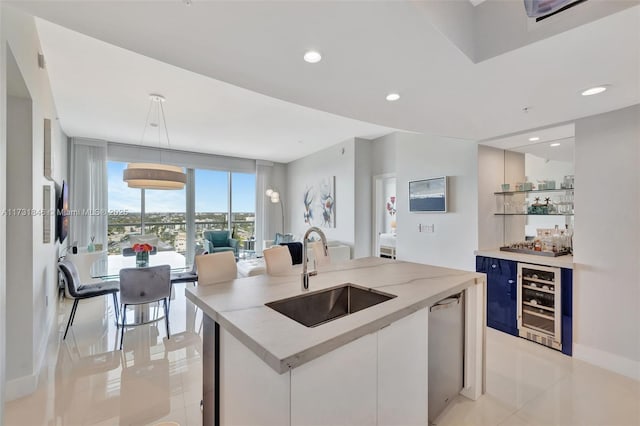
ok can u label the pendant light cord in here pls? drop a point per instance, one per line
(146, 123)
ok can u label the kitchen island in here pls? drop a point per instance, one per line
(369, 367)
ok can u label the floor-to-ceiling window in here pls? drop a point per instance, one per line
(222, 200)
(125, 209)
(212, 200)
(165, 216)
(243, 208)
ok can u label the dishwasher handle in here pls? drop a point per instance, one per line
(446, 303)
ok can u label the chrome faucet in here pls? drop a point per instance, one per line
(305, 274)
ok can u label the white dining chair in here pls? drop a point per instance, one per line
(318, 254)
(277, 260)
(216, 268)
(140, 286)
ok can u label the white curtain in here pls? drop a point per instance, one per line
(88, 198)
(263, 230)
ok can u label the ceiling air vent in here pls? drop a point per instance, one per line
(543, 9)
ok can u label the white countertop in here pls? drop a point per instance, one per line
(239, 306)
(565, 261)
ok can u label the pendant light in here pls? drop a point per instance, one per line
(155, 175)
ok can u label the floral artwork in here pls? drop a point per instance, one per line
(308, 209)
(326, 190)
(320, 199)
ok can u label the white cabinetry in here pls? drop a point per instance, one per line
(402, 371)
(380, 378)
(252, 393)
(338, 388)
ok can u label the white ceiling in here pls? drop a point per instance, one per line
(562, 152)
(518, 140)
(369, 49)
(101, 91)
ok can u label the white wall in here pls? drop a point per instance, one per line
(19, 236)
(606, 287)
(490, 176)
(338, 161)
(362, 200)
(20, 34)
(456, 232)
(383, 155)
(3, 222)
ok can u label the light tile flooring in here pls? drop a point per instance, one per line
(531, 385)
(155, 380)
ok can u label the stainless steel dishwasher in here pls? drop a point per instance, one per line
(446, 352)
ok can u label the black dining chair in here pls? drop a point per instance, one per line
(79, 291)
(144, 285)
(188, 276)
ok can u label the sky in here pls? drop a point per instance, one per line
(211, 193)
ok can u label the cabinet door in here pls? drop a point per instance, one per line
(338, 388)
(509, 279)
(501, 295)
(567, 310)
(482, 264)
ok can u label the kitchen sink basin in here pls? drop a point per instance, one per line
(313, 309)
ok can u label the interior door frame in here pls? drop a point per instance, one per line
(376, 202)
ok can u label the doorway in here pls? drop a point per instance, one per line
(384, 210)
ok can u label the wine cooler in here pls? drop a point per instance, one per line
(539, 308)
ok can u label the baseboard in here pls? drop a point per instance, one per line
(22, 386)
(26, 385)
(607, 360)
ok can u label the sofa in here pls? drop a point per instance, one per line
(219, 241)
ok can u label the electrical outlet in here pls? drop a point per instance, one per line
(426, 228)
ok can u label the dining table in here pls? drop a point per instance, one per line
(108, 268)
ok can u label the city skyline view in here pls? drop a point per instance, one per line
(210, 191)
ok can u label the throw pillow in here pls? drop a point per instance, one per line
(282, 238)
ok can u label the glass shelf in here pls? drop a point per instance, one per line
(533, 214)
(533, 190)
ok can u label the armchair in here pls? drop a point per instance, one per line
(218, 241)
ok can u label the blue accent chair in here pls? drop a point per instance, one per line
(218, 241)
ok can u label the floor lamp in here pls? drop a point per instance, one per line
(274, 196)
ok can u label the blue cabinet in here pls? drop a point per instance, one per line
(567, 310)
(502, 298)
(501, 293)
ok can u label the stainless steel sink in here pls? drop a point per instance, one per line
(313, 309)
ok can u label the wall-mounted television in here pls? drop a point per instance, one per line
(428, 195)
(62, 213)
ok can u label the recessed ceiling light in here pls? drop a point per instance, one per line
(312, 57)
(594, 90)
(393, 97)
(533, 139)
(554, 144)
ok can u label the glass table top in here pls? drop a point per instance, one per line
(109, 267)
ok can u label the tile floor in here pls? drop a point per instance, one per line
(155, 380)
